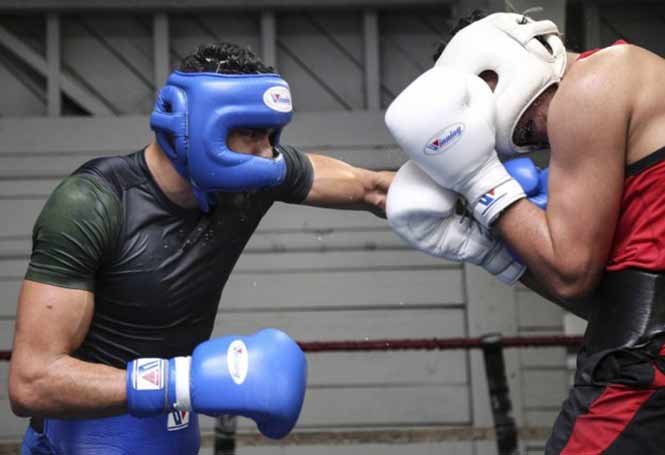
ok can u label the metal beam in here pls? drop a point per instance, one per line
(53, 95)
(372, 76)
(591, 25)
(161, 44)
(188, 5)
(70, 87)
(269, 38)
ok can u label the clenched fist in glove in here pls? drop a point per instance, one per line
(445, 122)
(424, 215)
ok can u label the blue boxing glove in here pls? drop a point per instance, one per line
(262, 377)
(532, 179)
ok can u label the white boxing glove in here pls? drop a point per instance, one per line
(445, 122)
(424, 214)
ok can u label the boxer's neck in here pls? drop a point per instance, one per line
(172, 184)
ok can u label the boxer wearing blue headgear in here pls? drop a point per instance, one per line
(130, 257)
(193, 116)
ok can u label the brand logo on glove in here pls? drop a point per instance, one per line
(148, 374)
(237, 360)
(489, 199)
(444, 139)
(177, 420)
(278, 98)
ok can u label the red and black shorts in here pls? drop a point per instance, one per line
(617, 405)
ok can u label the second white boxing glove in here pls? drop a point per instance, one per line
(424, 214)
(445, 122)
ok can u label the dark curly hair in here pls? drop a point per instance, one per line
(475, 15)
(224, 57)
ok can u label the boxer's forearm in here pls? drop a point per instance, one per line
(564, 271)
(67, 387)
(339, 185)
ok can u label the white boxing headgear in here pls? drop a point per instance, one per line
(513, 46)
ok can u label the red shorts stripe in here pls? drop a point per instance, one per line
(608, 416)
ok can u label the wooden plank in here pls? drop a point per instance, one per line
(322, 73)
(311, 261)
(6, 334)
(342, 289)
(161, 45)
(353, 407)
(322, 221)
(543, 357)
(544, 417)
(268, 38)
(112, 41)
(189, 31)
(534, 312)
(347, 325)
(372, 65)
(449, 448)
(70, 86)
(9, 291)
(15, 245)
(53, 63)
(314, 292)
(408, 40)
(23, 216)
(387, 368)
(544, 387)
(288, 241)
(74, 134)
(281, 217)
(338, 239)
(386, 406)
(329, 325)
(362, 369)
(592, 27)
(13, 269)
(27, 188)
(309, 130)
(491, 308)
(12, 427)
(187, 5)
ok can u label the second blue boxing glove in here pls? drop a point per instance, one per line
(262, 377)
(531, 178)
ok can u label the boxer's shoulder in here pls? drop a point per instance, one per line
(597, 88)
(590, 76)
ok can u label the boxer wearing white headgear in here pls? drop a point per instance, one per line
(528, 56)
(599, 245)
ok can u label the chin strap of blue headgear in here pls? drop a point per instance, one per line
(193, 115)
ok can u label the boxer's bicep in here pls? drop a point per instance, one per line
(51, 322)
(44, 379)
(587, 130)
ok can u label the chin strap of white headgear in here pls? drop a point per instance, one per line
(528, 57)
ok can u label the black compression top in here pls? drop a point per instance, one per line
(157, 270)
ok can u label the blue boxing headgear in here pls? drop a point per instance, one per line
(193, 115)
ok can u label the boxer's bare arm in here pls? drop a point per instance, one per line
(339, 185)
(566, 247)
(44, 379)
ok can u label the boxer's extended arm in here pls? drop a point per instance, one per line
(44, 379)
(339, 185)
(566, 247)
